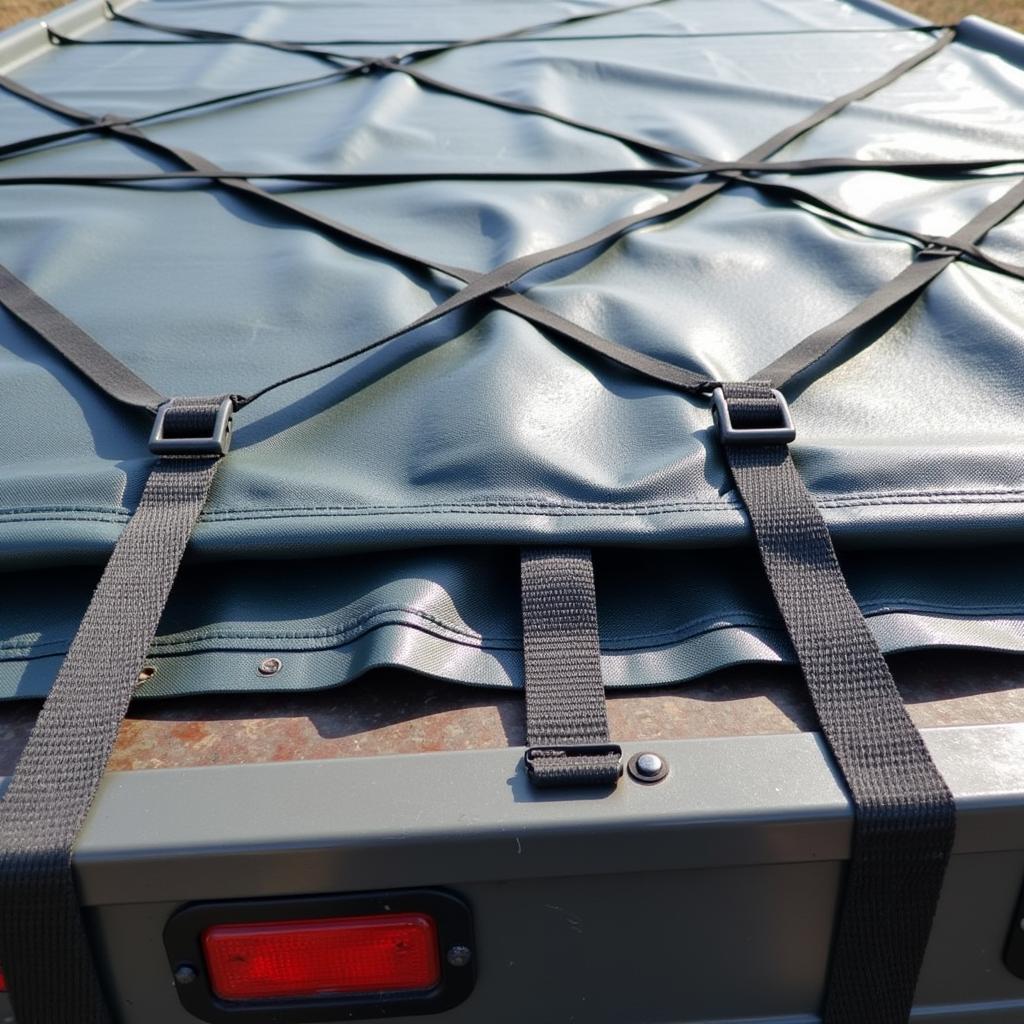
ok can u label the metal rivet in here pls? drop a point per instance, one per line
(148, 671)
(185, 974)
(270, 666)
(648, 767)
(459, 956)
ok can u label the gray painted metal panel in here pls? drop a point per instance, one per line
(708, 897)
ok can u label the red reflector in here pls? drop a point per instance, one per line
(333, 956)
(3, 981)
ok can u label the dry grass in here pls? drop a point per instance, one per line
(12, 11)
(1009, 12)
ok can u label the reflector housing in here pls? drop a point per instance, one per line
(322, 958)
(332, 956)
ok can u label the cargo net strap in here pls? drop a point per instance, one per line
(905, 817)
(904, 823)
(44, 948)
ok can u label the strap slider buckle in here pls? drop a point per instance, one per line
(781, 432)
(216, 442)
(574, 764)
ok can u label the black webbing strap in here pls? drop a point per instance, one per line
(90, 125)
(911, 281)
(44, 947)
(209, 35)
(513, 270)
(403, 63)
(491, 284)
(192, 36)
(566, 717)
(625, 175)
(519, 304)
(106, 371)
(904, 817)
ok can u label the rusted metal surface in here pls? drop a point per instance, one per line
(392, 713)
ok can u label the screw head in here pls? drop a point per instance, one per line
(459, 956)
(270, 666)
(185, 974)
(648, 767)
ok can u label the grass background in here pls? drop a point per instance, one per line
(1009, 12)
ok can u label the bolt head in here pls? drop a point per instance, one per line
(648, 767)
(185, 974)
(270, 666)
(459, 956)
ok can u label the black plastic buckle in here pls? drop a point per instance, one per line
(553, 759)
(217, 442)
(784, 433)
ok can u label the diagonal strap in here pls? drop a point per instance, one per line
(418, 54)
(904, 817)
(86, 354)
(911, 281)
(566, 716)
(44, 948)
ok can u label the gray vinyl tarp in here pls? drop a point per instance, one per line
(369, 515)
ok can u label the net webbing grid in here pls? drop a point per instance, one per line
(495, 280)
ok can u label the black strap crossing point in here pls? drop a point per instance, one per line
(904, 817)
(566, 715)
(44, 947)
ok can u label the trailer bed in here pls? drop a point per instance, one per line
(392, 712)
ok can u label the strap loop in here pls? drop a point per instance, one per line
(566, 715)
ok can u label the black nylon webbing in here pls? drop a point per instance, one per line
(490, 285)
(192, 36)
(566, 717)
(824, 342)
(638, 175)
(44, 947)
(106, 371)
(904, 817)
(403, 63)
(417, 54)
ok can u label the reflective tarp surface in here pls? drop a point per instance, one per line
(367, 515)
